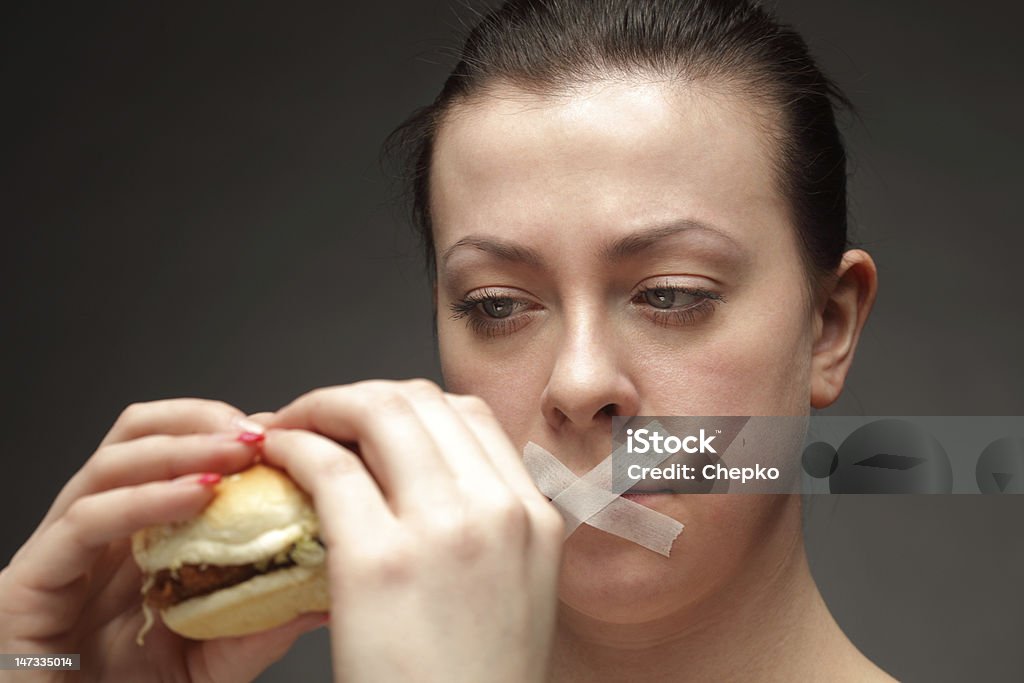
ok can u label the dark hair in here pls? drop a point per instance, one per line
(547, 46)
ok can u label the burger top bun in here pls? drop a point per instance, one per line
(255, 514)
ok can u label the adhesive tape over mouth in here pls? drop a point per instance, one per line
(592, 499)
(589, 504)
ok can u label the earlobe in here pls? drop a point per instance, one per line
(840, 322)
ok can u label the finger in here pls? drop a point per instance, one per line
(67, 550)
(175, 416)
(394, 443)
(466, 456)
(546, 524)
(262, 418)
(163, 457)
(244, 658)
(502, 453)
(114, 586)
(151, 458)
(349, 504)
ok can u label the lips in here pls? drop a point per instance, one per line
(651, 500)
(637, 489)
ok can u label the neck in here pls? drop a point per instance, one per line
(770, 623)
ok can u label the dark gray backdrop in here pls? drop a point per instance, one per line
(192, 206)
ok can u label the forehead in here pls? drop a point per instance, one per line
(606, 157)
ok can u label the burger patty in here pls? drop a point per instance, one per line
(194, 580)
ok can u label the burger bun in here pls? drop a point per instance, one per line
(258, 604)
(257, 513)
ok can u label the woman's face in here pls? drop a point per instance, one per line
(623, 250)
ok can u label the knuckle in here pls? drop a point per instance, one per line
(547, 522)
(78, 513)
(457, 535)
(386, 564)
(140, 410)
(317, 402)
(508, 516)
(314, 401)
(474, 405)
(307, 445)
(339, 468)
(372, 388)
(318, 395)
(105, 458)
(216, 404)
(132, 413)
(370, 384)
(420, 386)
(387, 400)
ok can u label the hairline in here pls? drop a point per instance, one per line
(721, 86)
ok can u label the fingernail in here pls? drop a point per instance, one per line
(247, 426)
(209, 479)
(250, 437)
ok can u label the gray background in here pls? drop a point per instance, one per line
(192, 206)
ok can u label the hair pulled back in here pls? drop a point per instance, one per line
(547, 46)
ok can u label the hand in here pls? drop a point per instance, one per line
(74, 586)
(442, 555)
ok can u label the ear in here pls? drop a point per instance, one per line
(840, 320)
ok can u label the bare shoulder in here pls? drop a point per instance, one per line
(863, 670)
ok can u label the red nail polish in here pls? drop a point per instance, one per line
(209, 479)
(250, 437)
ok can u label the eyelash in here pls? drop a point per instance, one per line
(469, 308)
(684, 316)
(486, 326)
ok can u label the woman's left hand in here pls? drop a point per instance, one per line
(442, 555)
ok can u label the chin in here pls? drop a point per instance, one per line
(617, 581)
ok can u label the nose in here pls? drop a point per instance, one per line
(589, 381)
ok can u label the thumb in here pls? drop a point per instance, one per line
(263, 418)
(245, 657)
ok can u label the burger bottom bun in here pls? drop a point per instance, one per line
(261, 603)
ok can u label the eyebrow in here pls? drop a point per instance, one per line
(644, 239)
(630, 245)
(506, 251)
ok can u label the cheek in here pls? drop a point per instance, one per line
(756, 363)
(512, 386)
(759, 365)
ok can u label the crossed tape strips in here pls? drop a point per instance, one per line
(593, 500)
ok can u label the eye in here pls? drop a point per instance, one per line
(492, 313)
(498, 307)
(661, 297)
(675, 306)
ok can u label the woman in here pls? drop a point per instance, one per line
(630, 208)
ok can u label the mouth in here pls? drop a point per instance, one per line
(647, 486)
(637, 495)
(651, 499)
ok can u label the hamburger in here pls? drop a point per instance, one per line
(250, 561)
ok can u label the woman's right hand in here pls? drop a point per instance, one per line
(74, 586)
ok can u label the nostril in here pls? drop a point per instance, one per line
(610, 410)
